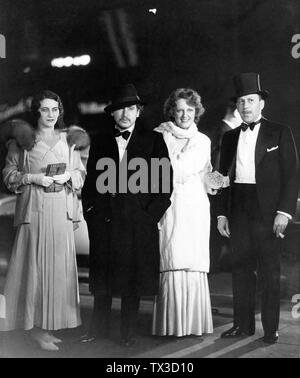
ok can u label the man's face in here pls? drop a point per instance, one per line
(126, 117)
(250, 107)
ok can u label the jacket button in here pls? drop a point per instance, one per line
(107, 220)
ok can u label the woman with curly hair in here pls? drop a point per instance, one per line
(41, 290)
(183, 305)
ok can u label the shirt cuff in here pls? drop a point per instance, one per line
(286, 214)
(221, 216)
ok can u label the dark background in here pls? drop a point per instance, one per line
(190, 43)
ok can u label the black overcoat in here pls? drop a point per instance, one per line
(123, 231)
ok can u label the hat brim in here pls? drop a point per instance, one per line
(112, 107)
(264, 94)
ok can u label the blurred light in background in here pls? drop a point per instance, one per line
(118, 26)
(153, 10)
(91, 107)
(69, 61)
(27, 70)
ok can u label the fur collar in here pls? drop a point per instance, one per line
(25, 136)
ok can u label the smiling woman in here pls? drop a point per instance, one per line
(183, 305)
(184, 114)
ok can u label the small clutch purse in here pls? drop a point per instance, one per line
(52, 170)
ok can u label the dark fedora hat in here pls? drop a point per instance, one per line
(248, 83)
(126, 95)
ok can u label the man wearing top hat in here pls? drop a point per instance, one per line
(122, 226)
(261, 160)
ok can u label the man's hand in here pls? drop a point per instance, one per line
(211, 191)
(223, 227)
(280, 223)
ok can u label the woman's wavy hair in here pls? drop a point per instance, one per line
(192, 98)
(36, 104)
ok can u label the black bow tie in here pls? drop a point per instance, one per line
(251, 125)
(124, 134)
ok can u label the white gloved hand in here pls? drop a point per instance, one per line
(40, 179)
(61, 179)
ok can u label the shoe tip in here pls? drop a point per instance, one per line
(48, 346)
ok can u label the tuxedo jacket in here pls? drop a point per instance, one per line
(276, 169)
(216, 141)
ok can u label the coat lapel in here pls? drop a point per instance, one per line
(110, 146)
(234, 145)
(137, 144)
(263, 138)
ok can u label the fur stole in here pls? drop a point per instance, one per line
(25, 136)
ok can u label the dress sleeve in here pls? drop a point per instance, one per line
(77, 170)
(207, 167)
(13, 177)
(195, 161)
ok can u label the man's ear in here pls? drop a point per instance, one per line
(138, 113)
(262, 104)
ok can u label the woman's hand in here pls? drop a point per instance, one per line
(62, 179)
(40, 179)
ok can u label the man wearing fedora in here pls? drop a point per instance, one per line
(122, 225)
(261, 160)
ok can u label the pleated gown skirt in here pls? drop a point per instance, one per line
(183, 306)
(42, 282)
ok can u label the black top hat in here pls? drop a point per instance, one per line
(126, 95)
(248, 83)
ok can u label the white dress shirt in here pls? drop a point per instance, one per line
(121, 142)
(245, 157)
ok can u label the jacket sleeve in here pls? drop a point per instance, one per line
(226, 157)
(13, 178)
(88, 193)
(160, 201)
(77, 170)
(289, 165)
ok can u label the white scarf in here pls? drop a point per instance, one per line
(178, 132)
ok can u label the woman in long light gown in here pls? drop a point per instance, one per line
(183, 305)
(41, 290)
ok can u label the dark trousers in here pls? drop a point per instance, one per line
(100, 323)
(255, 254)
